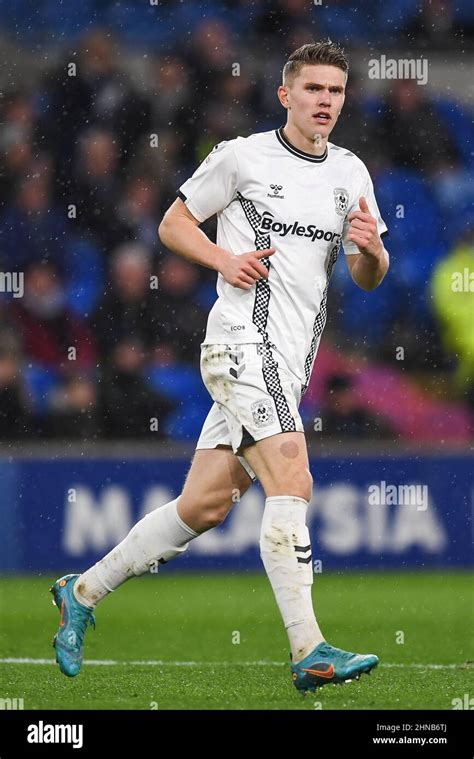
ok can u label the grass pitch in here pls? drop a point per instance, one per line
(216, 641)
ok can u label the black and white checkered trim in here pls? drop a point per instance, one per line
(259, 318)
(320, 320)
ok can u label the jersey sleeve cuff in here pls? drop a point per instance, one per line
(189, 203)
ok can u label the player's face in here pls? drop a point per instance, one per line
(316, 98)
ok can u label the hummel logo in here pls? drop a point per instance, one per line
(276, 189)
(236, 356)
(237, 372)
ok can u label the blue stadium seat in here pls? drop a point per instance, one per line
(417, 238)
(347, 22)
(365, 315)
(414, 242)
(21, 18)
(460, 126)
(463, 12)
(180, 382)
(84, 268)
(183, 384)
(142, 24)
(394, 16)
(47, 20)
(75, 19)
(186, 423)
(192, 14)
(40, 381)
(206, 295)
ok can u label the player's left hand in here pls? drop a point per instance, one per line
(363, 231)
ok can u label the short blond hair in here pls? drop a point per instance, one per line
(325, 53)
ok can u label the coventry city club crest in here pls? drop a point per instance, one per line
(341, 199)
(263, 412)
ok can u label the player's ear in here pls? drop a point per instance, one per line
(282, 94)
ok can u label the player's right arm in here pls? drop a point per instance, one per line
(210, 189)
(180, 232)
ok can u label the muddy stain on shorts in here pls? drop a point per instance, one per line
(213, 359)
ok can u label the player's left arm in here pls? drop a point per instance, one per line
(370, 265)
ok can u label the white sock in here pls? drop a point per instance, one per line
(284, 538)
(156, 539)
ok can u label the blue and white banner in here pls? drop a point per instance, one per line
(368, 512)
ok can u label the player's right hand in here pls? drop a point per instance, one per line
(245, 269)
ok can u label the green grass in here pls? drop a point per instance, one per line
(191, 618)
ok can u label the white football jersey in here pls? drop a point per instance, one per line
(267, 193)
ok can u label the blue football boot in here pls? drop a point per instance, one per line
(69, 640)
(326, 664)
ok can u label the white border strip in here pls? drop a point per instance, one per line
(159, 663)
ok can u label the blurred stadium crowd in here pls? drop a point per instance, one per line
(91, 160)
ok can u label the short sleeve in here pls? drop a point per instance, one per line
(367, 191)
(213, 185)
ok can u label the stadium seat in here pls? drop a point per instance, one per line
(153, 26)
(84, 268)
(417, 238)
(40, 381)
(392, 17)
(460, 126)
(179, 382)
(345, 22)
(185, 423)
(206, 295)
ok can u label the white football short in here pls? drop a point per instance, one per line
(255, 396)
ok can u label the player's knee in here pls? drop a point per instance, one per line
(309, 485)
(302, 483)
(297, 482)
(213, 517)
(215, 513)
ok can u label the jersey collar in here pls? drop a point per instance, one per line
(296, 151)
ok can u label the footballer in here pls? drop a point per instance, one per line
(286, 201)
